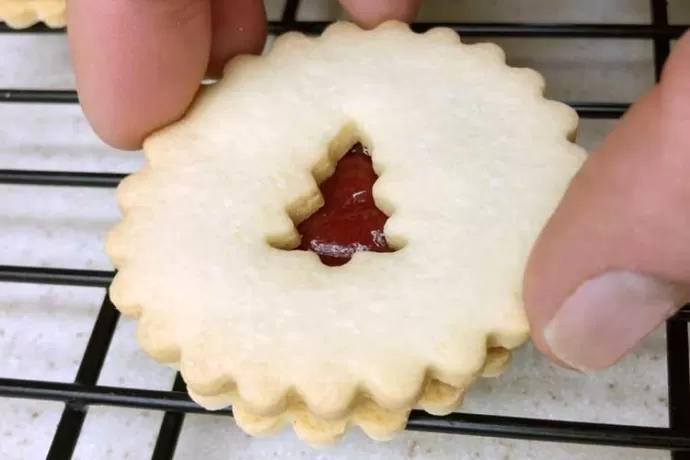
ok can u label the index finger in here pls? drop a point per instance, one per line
(138, 64)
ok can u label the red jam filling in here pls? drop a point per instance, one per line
(349, 221)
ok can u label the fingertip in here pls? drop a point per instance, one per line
(137, 66)
(607, 316)
(125, 125)
(370, 14)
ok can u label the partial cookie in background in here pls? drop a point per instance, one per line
(21, 14)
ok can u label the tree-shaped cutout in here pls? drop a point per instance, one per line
(349, 221)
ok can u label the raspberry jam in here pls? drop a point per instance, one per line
(349, 221)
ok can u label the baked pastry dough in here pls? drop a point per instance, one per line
(378, 423)
(471, 159)
(20, 14)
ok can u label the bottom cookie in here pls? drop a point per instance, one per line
(377, 422)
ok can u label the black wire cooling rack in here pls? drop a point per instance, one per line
(85, 392)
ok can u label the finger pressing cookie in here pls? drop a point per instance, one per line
(614, 260)
(239, 27)
(370, 13)
(138, 64)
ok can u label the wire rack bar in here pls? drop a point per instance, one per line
(678, 382)
(524, 30)
(290, 12)
(683, 315)
(549, 430)
(472, 424)
(662, 48)
(171, 427)
(584, 109)
(39, 96)
(60, 178)
(599, 110)
(479, 29)
(36, 29)
(55, 276)
(73, 416)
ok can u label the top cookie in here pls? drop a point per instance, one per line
(472, 160)
(20, 14)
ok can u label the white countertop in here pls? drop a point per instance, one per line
(43, 329)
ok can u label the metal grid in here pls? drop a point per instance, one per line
(85, 392)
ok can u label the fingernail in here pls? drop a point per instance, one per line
(607, 316)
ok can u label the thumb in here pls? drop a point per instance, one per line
(613, 262)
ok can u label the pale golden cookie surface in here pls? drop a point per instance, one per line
(471, 160)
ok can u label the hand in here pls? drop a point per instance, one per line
(139, 63)
(614, 261)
